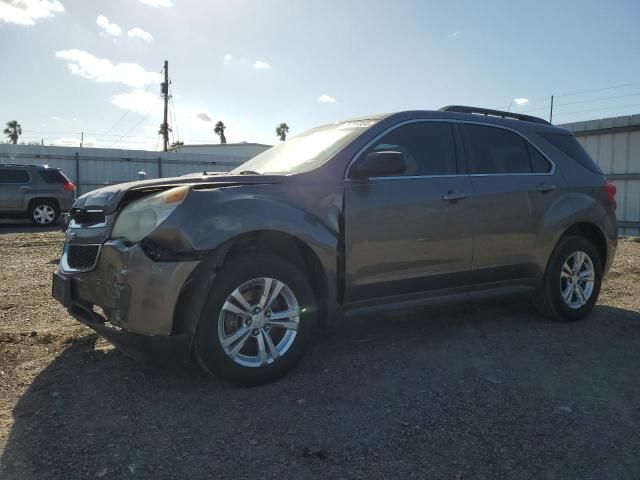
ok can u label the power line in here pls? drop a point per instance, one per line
(86, 133)
(131, 129)
(128, 111)
(570, 94)
(599, 99)
(598, 109)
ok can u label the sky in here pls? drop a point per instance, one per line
(71, 66)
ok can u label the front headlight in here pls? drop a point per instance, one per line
(141, 217)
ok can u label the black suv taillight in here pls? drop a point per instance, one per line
(610, 189)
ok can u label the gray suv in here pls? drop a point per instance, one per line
(37, 192)
(389, 211)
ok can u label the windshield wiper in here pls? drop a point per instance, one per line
(249, 172)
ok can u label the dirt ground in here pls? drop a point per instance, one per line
(486, 390)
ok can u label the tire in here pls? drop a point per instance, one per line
(550, 296)
(247, 274)
(44, 213)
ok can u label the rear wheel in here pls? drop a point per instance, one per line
(43, 212)
(258, 320)
(571, 284)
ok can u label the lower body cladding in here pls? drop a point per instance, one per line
(137, 296)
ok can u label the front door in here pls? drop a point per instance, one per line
(414, 231)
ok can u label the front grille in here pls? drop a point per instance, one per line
(82, 257)
(87, 217)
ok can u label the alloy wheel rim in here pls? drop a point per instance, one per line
(577, 279)
(43, 214)
(259, 322)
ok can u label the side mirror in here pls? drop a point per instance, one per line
(380, 164)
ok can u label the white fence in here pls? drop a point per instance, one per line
(91, 168)
(614, 143)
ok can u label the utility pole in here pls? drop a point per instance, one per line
(551, 112)
(164, 128)
(81, 139)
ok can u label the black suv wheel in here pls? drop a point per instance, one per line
(571, 284)
(43, 212)
(258, 320)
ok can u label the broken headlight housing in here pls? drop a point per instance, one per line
(141, 217)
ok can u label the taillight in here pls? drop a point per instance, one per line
(69, 186)
(610, 189)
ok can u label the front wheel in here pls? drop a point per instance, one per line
(571, 284)
(258, 320)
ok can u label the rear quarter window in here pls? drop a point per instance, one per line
(570, 146)
(53, 176)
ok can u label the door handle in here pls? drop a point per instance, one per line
(25, 187)
(544, 188)
(454, 196)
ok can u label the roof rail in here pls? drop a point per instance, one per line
(34, 165)
(493, 113)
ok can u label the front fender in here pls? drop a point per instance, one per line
(211, 218)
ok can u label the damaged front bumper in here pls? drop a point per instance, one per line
(137, 297)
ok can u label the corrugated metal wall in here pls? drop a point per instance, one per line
(92, 168)
(614, 143)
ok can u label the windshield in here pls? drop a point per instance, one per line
(305, 151)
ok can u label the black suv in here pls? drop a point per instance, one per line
(394, 211)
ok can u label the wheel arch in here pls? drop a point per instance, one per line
(43, 198)
(193, 294)
(591, 232)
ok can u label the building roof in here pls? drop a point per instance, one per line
(239, 144)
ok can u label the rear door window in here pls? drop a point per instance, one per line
(428, 148)
(496, 150)
(539, 164)
(13, 175)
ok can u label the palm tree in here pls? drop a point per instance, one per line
(13, 131)
(282, 130)
(219, 130)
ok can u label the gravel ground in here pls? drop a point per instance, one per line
(485, 390)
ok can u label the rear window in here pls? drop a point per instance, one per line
(570, 146)
(13, 175)
(53, 176)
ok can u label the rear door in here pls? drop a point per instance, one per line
(411, 232)
(14, 185)
(513, 184)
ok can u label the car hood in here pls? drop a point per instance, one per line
(108, 198)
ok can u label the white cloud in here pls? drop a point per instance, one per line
(260, 65)
(101, 70)
(204, 117)
(137, 32)
(57, 119)
(110, 28)
(227, 58)
(26, 12)
(157, 3)
(138, 101)
(455, 35)
(324, 98)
